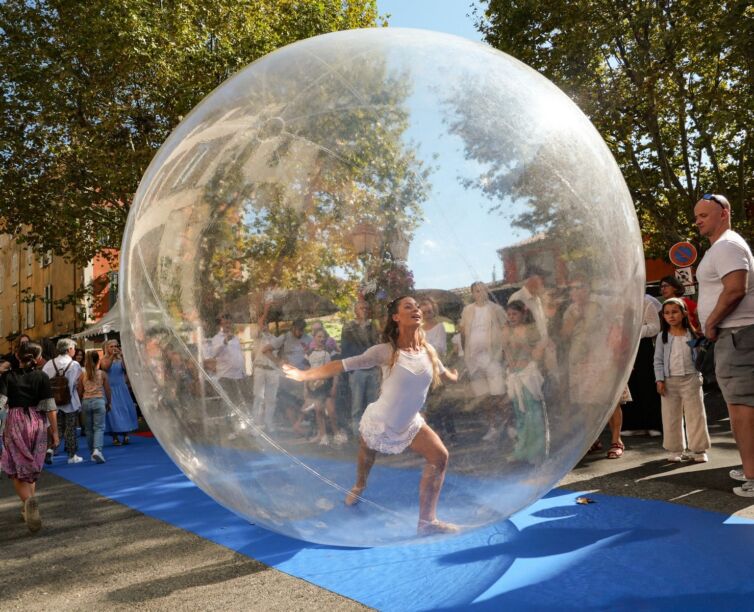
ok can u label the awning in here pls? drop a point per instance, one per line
(108, 324)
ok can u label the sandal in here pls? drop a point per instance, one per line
(616, 450)
(426, 528)
(597, 446)
(354, 496)
(116, 441)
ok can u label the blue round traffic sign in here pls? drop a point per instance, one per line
(683, 254)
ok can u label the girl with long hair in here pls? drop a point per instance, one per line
(32, 414)
(393, 422)
(96, 399)
(680, 385)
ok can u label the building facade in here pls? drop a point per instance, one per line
(30, 284)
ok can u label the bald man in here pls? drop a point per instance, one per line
(726, 314)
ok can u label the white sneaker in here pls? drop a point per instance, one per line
(97, 456)
(324, 441)
(340, 438)
(654, 433)
(628, 433)
(677, 457)
(701, 458)
(737, 474)
(75, 459)
(745, 490)
(491, 434)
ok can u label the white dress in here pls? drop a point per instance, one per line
(390, 424)
(437, 338)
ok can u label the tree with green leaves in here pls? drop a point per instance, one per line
(272, 178)
(667, 83)
(90, 90)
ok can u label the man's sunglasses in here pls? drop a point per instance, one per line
(713, 197)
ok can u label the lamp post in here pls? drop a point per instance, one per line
(399, 245)
(366, 240)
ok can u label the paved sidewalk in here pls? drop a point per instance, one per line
(94, 553)
(644, 471)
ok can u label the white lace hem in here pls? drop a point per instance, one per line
(384, 440)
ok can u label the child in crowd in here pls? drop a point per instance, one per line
(680, 385)
(318, 394)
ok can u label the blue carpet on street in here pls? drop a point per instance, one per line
(618, 553)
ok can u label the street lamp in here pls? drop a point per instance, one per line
(366, 240)
(399, 246)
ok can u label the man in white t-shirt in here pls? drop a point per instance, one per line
(64, 365)
(266, 374)
(726, 314)
(225, 349)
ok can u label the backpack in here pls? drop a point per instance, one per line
(61, 391)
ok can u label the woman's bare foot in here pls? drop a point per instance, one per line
(427, 528)
(354, 495)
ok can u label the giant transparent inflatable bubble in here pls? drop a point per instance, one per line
(328, 178)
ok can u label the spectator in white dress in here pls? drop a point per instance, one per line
(434, 330)
(266, 375)
(481, 327)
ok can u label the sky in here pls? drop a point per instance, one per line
(451, 16)
(441, 255)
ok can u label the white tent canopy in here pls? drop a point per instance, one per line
(108, 324)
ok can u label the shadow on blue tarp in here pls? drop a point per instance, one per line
(620, 553)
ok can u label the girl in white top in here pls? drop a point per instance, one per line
(680, 386)
(320, 394)
(393, 423)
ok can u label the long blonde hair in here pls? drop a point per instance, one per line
(390, 335)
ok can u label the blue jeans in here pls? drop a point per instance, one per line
(94, 419)
(365, 389)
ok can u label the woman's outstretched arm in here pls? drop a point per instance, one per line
(450, 375)
(328, 370)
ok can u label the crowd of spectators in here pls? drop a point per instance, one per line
(543, 347)
(64, 360)
(44, 400)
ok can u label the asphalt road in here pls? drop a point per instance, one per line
(93, 553)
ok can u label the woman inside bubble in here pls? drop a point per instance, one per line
(393, 422)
